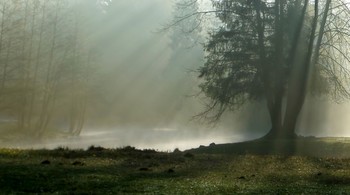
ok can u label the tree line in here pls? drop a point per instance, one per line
(46, 62)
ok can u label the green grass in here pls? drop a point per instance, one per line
(200, 171)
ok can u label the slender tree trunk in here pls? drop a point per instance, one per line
(78, 95)
(316, 55)
(30, 85)
(278, 69)
(4, 62)
(49, 88)
(74, 109)
(264, 73)
(36, 65)
(298, 82)
(4, 69)
(84, 97)
(24, 74)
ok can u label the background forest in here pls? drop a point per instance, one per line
(88, 67)
(47, 62)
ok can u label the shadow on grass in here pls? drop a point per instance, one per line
(105, 173)
(316, 147)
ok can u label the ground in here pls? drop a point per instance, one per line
(216, 169)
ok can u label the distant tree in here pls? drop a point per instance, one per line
(278, 51)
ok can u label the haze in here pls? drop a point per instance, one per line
(142, 86)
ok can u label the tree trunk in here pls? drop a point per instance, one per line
(48, 96)
(284, 122)
(298, 78)
(22, 113)
(33, 96)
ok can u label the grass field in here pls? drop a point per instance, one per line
(218, 169)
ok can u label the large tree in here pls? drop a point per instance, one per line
(278, 51)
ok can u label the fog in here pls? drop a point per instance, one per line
(144, 89)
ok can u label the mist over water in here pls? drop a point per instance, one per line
(159, 139)
(144, 85)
